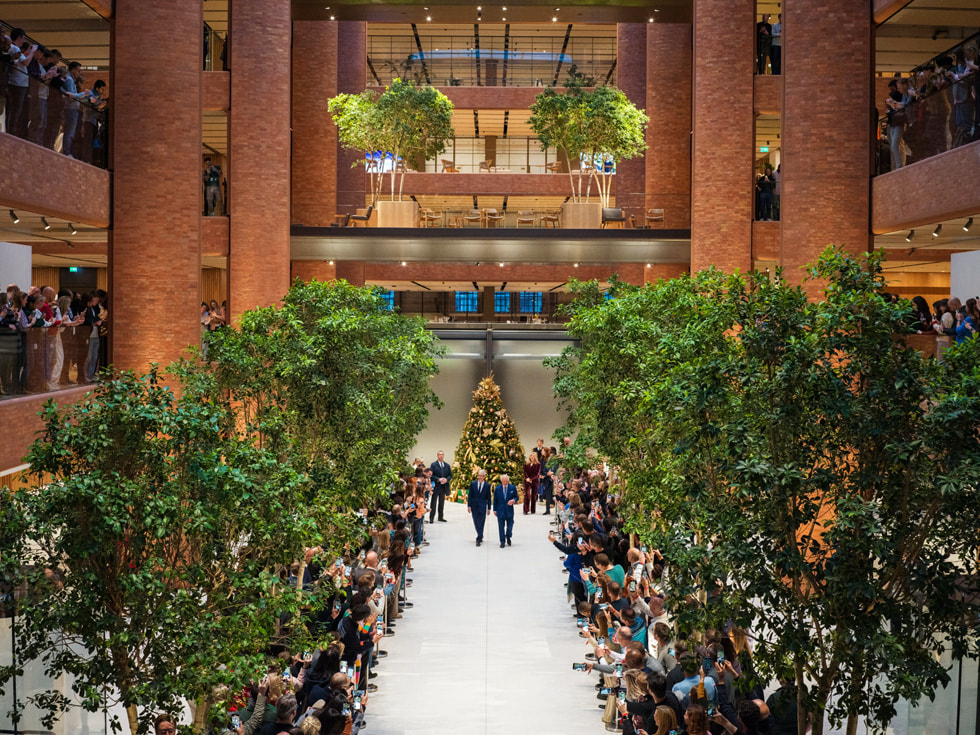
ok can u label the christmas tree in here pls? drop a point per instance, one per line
(489, 442)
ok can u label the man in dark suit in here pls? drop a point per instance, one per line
(504, 497)
(477, 503)
(442, 473)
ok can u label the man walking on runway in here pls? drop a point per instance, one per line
(504, 497)
(477, 503)
(442, 473)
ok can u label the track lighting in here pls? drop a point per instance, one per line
(935, 232)
(908, 237)
(47, 225)
(14, 217)
(968, 225)
(72, 229)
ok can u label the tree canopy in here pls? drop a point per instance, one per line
(799, 466)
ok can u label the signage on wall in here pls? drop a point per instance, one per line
(764, 149)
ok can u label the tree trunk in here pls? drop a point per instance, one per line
(133, 716)
(852, 724)
(801, 713)
(571, 182)
(299, 578)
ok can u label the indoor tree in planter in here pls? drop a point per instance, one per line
(600, 127)
(408, 121)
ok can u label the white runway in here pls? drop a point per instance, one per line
(489, 645)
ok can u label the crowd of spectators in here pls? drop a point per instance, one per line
(767, 194)
(769, 45)
(50, 339)
(327, 689)
(654, 677)
(934, 109)
(44, 99)
(947, 318)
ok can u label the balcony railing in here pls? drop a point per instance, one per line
(939, 109)
(491, 61)
(44, 359)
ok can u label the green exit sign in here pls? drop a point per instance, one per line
(764, 149)
(74, 269)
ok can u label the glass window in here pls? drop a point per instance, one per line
(530, 302)
(501, 303)
(388, 299)
(467, 301)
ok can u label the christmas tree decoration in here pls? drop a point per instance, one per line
(489, 442)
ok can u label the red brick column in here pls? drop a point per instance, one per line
(154, 247)
(631, 77)
(258, 143)
(351, 69)
(723, 189)
(314, 165)
(668, 104)
(826, 162)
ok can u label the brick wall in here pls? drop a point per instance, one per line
(668, 105)
(314, 143)
(154, 249)
(722, 191)
(21, 416)
(631, 77)
(826, 161)
(351, 68)
(259, 153)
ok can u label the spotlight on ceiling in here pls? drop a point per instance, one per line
(968, 225)
(72, 229)
(554, 19)
(404, 263)
(428, 17)
(47, 225)
(908, 237)
(935, 232)
(14, 217)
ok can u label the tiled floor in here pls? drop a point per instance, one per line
(489, 645)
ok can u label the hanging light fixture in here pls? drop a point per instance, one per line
(935, 232)
(908, 237)
(14, 217)
(47, 225)
(968, 225)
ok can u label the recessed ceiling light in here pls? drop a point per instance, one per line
(503, 19)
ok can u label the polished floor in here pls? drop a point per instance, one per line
(489, 644)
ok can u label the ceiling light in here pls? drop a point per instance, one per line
(576, 265)
(331, 262)
(46, 224)
(935, 232)
(479, 7)
(428, 17)
(648, 265)
(968, 225)
(72, 229)
(650, 20)
(333, 17)
(908, 237)
(404, 263)
(504, 9)
(554, 19)
(14, 217)
(656, 10)
(503, 19)
(501, 265)
(557, 9)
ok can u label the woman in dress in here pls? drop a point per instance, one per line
(532, 472)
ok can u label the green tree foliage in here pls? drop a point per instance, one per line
(409, 121)
(148, 564)
(489, 442)
(336, 384)
(599, 126)
(804, 460)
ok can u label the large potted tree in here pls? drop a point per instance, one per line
(596, 129)
(405, 123)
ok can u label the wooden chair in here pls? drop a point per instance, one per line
(355, 218)
(554, 168)
(474, 215)
(613, 215)
(431, 218)
(485, 166)
(526, 218)
(655, 215)
(493, 218)
(448, 167)
(551, 219)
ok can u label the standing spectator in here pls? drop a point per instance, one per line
(895, 113)
(56, 105)
(93, 321)
(763, 43)
(90, 120)
(532, 473)
(17, 82)
(70, 90)
(961, 72)
(41, 71)
(764, 188)
(777, 45)
(442, 473)
(777, 176)
(212, 188)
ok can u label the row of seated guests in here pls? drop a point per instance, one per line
(45, 101)
(326, 690)
(50, 339)
(654, 679)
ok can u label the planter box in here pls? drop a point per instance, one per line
(581, 215)
(398, 214)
